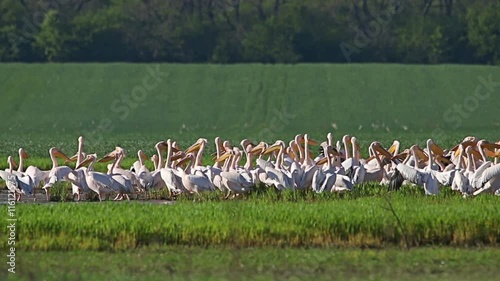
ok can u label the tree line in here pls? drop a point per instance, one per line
(236, 31)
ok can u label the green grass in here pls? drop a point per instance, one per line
(46, 104)
(37, 147)
(289, 220)
(215, 263)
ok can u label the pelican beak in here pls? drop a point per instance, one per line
(313, 142)
(143, 155)
(175, 146)
(109, 157)
(420, 154)
(14, 164)
(333, 151)
(182, 161)
(84, 162)
(163, 145)
(223, 157)
(401, 155)
(273, 147)
(382, 151)
(257, 149)
(490, 148)
(59, 154)
(465, 144)
(443, 160)
(436, 149)
(457, 151)
(393, 147)
(322, 161)
(24, 155)
(194, 147)
(490, 153)
(72, 158)
(310, 141)
(476, 154)
(177, 155)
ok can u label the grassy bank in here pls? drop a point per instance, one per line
(268, 221)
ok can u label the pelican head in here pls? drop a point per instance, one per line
(197, 145)
(88, 159)
(58, 153)
(23, 154)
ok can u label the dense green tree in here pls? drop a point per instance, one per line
(269, 31)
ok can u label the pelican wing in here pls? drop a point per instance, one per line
(263, 164)
(36, 174)
(476, 177)
(11, 181)
(318, 179)
(343, 183)
(60, 173)
(236, 178)
(461, 183)
(172, 181)
(411, 174)
(489, 174)
(201, 182)
(124, 184)
(103, 180)
(26, 184)
(444, 178)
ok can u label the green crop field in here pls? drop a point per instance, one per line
(197, 263)
(241, 100)
(45, 105)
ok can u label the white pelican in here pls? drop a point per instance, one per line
(137, 165)
(304, 174)
(34, 172)
(277, 176)
(171, 177)
(77, 176)
(352, 165)
(57, 173)
(487, 176)
(425, 178)
(460, 181)
(234, 181)
(195, 183)
(140, 170)
(98, 182)
(117, 166)
(19, 183)
(156, 181)
(376, 173)
(122, 184)
(328, 179)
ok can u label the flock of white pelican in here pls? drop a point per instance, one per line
(471, 167)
